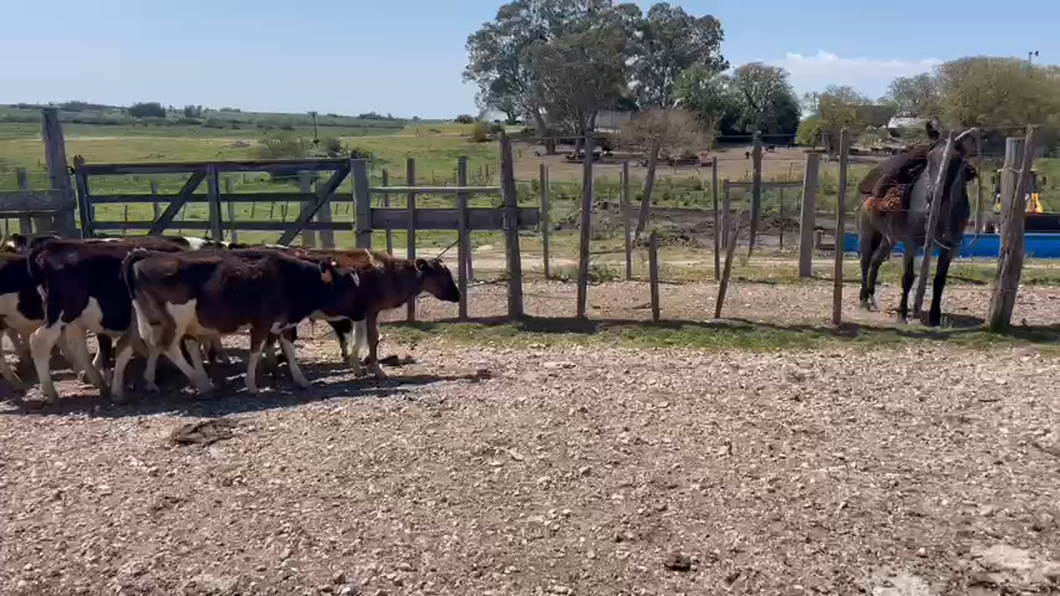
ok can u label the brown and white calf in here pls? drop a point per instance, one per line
(82, 290)
(223, 292)
(388, 283)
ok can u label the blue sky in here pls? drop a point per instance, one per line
(406, 57)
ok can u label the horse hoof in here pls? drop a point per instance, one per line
(866, 305)
(901, 320)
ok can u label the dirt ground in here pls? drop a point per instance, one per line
(917, 470)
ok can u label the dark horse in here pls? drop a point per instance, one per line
(912, 175)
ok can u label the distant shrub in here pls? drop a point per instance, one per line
(480, 133)
(287, 127)
(151, 109)
(361, 153)
(189, 121)
(214, 123)
(193, 111)
(496, 128)
(234, 110)
(465, 119)
(281, 146)
(332, 145)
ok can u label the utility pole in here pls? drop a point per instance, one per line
(1029, 54)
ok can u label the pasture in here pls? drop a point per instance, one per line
(767, 452)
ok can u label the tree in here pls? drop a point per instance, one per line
(767, 101)
(916, 96)
(997, 92)
(708, 96)
(465, 119)
(670, 42)
(809, 133)
(151, 109)
(192, 111)
(839, 108)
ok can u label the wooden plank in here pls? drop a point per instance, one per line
(717, 231)
(386, 204)
(511, 212)
(840, 229)
(181, 167)
(546, 240)
(979, 203)
(756, 190)
(653, 274)
(362, 202)
(34, 202)
(463, 236)
(327, 237)
(233, 235)
(627, 232)
(237, 197)
(84, 197)
(435, 190)
(410, 233)
(929, 236)
(808, 217)
(586, 232)
(58, 169)
(305, 186)
(323, 193)
(175, 203)
(749, 185)
(213, 193)
(448, 218)
(732, 237)
(1013, 206)
(250, 225)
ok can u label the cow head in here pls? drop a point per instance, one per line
(955, 208)
(345, 286)
(436, 279)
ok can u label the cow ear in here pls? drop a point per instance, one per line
(422, 265)
(325, 273)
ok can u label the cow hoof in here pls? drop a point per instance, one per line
(152, 387)
(377, 371)
(358, 372)
(866, 305)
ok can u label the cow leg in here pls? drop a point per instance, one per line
(908, 276)
(215, 351)
(938, 285)
(151, 368)
(258, 337)
(121, 361)
(292, 362)
(342, 329)
(41, 343)
(372, 322)
(9, 375)
(75, 332)
(195, 351)
(360, 341)
(202, 383)
(104, 356)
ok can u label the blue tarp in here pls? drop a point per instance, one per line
(1036, 246)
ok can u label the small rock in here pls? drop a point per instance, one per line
(677, 562)
(403, 567)
(585, 471)
(560, 590)
(338, 579)
(349, 591)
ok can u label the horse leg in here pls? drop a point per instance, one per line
(878, 257)
(908, 276)
(868, 242)
(937, 285)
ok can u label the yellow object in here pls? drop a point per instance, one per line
(1034, 204)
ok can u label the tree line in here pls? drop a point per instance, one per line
(556, 64)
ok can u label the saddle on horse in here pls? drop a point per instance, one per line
(889, 186)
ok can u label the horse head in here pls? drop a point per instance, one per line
(955, 208)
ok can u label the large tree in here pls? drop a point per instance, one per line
(840, 107)
(997, 92)
(916, 96)
(767, 101)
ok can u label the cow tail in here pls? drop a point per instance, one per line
(128, 273)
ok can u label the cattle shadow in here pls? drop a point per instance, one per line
(276, 391)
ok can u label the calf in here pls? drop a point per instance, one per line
(21, 310)
(387, 283)
(223, 292)
(82, 290)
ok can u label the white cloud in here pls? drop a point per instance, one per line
(870, 76)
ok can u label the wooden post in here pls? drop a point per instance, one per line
(464, 236)
(717, 231)
(730, 251)
(542, 183)
(25, 225)
(726, 219)
(84, 201)
(213, 193)
(233, 235)
(58, 172)
(781, 189)
(932, 224)
(808, 217)
(1013, 205)
(305, 186)
(627, 219)
(649, 185)
(586, 232)
(327, 237)
(386, 203)
(154, 204)
(978, 182)
(511, 225)
(653, 274)
(410, 234)
(362, 203)
(840, 229)
(756, 190)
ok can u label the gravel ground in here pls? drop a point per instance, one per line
(909, 471)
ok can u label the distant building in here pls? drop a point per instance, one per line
(899, 122)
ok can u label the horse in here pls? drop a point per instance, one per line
(885, 220)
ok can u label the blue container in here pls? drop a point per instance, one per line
(1036, 246)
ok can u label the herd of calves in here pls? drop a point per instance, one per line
(148, 296)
